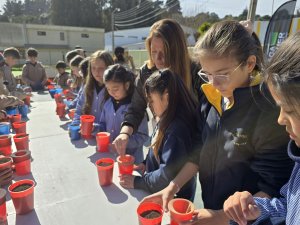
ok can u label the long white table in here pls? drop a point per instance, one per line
(67, 189)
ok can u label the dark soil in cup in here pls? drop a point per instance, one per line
(104, 164)
(4, 160)
(22, 187)
(151, 214)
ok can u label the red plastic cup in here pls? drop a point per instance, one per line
(105, 171)
(58, 98)
(60, 109)
(23, 200)
(5, 163)
(87, 126)
(66, 91)
(3, 214)
(5, 145)
(50, 86)
(27, 100)
(181, 210)
(125, 164)
(21, 141)
(149, 206)
(19, 127)
(71, 113)
(16, 118)
(102, 139)
(22, 161)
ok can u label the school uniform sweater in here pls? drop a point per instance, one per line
(61, 79)
(97, 105)
(10, 83)
(242, 148)
(172, 156)
(112, 116)
(34, 75)
(9, 79)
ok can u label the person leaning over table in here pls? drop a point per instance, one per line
(239, 145)
(167, 48)
(171, 141)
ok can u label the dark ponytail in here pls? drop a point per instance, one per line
(119, 74)
(181, 104)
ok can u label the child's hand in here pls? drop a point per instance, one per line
(3, 115)
(121, 143)
(127, 181)
(241, 208)
(141, 167)
(112, 149)
(207, 217)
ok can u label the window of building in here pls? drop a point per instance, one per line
(144, 38)
(41, 33)
(85, 35)
(62, 36)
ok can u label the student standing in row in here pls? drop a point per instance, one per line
(119, 87)
(62, 76)
(11, 57)
(34, 73)
(91, 99)
(171, 140)
(283, 78)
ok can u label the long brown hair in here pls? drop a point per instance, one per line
(75, 62)
(175, 48)
(181, 103)
(230, 38)
(283, 72)
(91, 82)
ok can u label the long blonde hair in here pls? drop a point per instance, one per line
(175, 48)
(91, 82)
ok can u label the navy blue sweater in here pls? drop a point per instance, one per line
(173, 154)
(242, 148)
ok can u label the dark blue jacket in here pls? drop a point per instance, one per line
(173, 154)
(242, 148)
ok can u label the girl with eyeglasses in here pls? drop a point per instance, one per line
(283, 78)
(171, 140)
(239, 145)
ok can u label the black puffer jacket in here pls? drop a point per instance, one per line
(242, 148)
(137, 110)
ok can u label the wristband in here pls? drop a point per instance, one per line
(125, 133)
(176, 185)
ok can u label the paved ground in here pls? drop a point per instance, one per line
(67, 190)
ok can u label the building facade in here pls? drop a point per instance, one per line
(52, 42)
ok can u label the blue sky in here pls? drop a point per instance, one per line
(222, 7)
(234, 7)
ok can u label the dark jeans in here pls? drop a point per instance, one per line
(37, 87)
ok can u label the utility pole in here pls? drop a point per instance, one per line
(252, 10)
(113, 28)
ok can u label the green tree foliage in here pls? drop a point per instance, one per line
(84, 13)
(29, 11)
(203, 28)
(98, 13)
